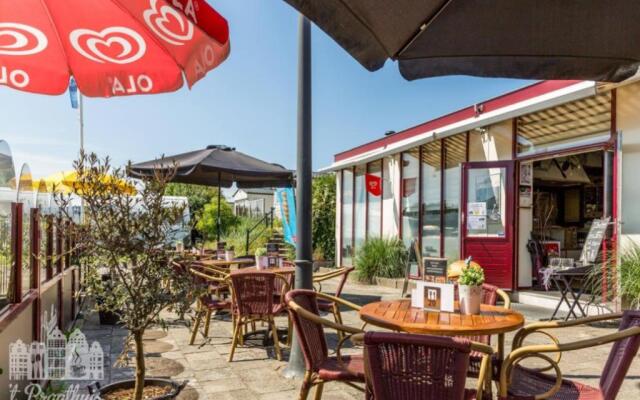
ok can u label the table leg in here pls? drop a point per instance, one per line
(563, 295)
(501, 347)
(576, 300)
(568, 284)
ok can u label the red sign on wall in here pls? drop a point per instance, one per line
(374, 184)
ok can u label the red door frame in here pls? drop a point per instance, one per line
(510, 232)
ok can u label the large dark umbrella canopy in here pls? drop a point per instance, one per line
(530, 39)
(218, 166)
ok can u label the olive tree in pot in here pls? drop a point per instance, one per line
(470, 288)
(128, 238)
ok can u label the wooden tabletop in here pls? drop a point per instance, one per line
(278, 270)
(399, 316)
(225, 263)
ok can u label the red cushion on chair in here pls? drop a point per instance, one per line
(215, 304)
(526, 384)
(324, 305)
(350, 368)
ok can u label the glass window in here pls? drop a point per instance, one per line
(347, 217)
(431, 198)
(486, 202)
(389, 198)
(360, 207)
(374, 196)
(455, 155)
(410, 199)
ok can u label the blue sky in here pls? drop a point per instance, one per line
(249, 102)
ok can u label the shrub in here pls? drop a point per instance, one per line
(385, 258)
(472, 275)
(323, 216)
(630, 275)
(237, 235)
(208, 222)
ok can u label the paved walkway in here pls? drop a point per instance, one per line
(256, 374)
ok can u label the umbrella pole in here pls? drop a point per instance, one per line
(218, 220)
(304, 263)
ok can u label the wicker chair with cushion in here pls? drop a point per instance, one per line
(490, 296)
(408, 366)
(309, 327)
(211, 302)
(331, 306)
(253, 300)
(522, 383)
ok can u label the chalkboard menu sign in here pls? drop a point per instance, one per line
(594, 240)
(434, 268)
(272, 249)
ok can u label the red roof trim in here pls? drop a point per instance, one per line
(507, 99)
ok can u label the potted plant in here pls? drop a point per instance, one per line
(470, 288)
(128, 239)
(230, 254)
(261, 253)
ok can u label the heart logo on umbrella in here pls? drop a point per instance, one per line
(117, 44)
(164, 21)
(21, 40)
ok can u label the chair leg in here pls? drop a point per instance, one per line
(207, 322)
(338, 317)
(289, 330)
(306, 386)
(318, 394)
(237, 331)
(276, 342)
(195, 328)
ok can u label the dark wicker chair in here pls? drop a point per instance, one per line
(490, 295)
(211, 302)
(521, 383)
(407, 366)
(309, 327)
(330, 306)
(253, 300)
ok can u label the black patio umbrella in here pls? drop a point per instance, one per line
(218, 166)
(530, 39)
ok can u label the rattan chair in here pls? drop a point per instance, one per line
(522, 383)
(331, 306)
(253, 300)
(309, 327)
(407, 366)
(211, 302)
(490, 295)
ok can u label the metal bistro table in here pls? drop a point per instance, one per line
(564, 281)
(398, 315)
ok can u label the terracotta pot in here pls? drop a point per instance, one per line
(470, 299)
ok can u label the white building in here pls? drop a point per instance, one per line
(252, 202)
(543, 161)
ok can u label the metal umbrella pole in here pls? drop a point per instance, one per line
(218, 220)
(304, 251)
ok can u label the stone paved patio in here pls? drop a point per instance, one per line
(256, 374)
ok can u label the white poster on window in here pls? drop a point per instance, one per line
(477, 222)
(477, 208)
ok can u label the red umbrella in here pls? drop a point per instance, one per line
(111, 47)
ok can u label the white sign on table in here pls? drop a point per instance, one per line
(433, 296)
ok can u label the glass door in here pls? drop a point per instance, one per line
(488, 219)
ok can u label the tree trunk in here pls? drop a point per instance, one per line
(140, 366)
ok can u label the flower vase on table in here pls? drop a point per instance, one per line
(470, 288)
